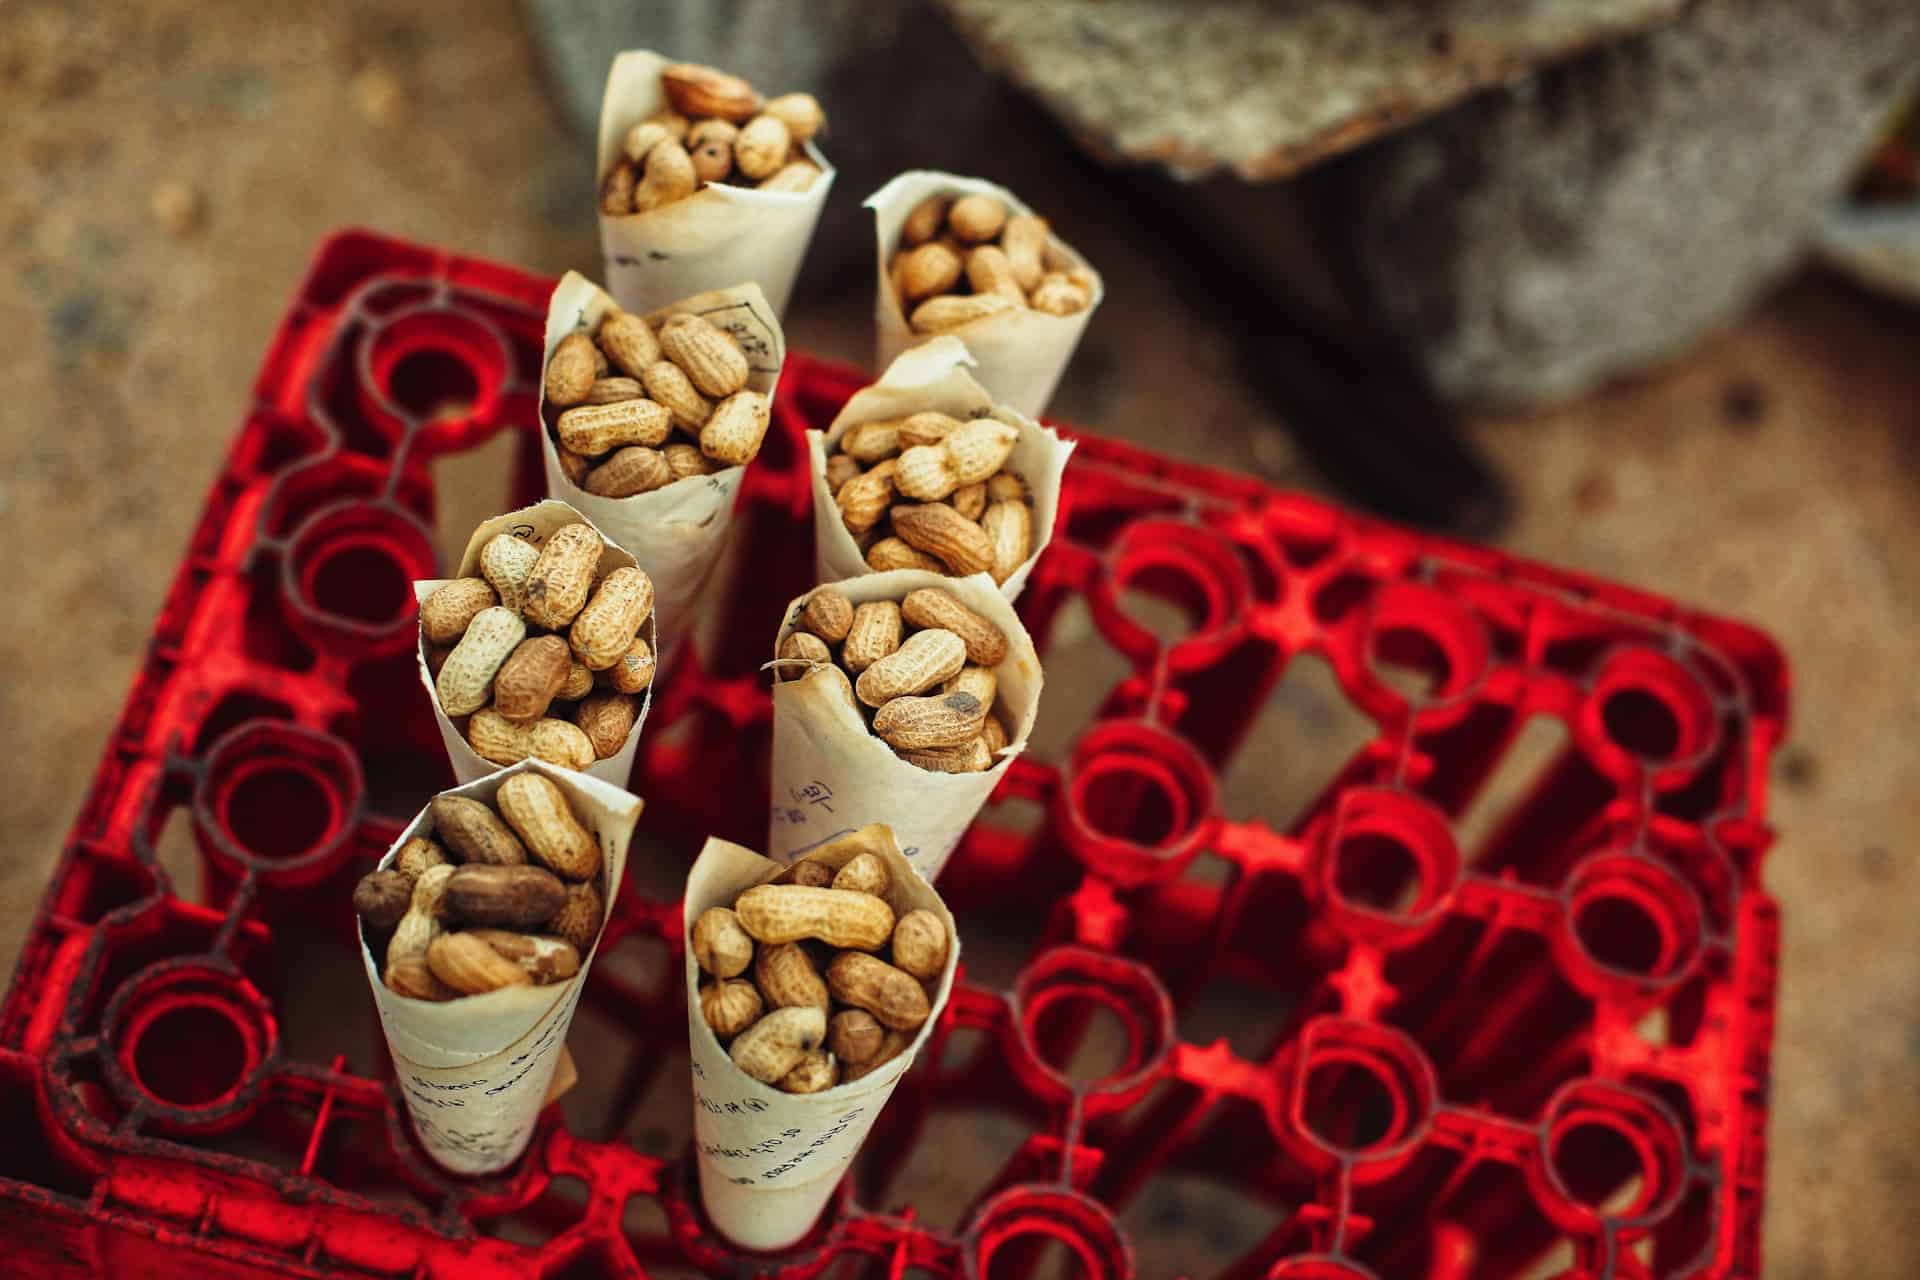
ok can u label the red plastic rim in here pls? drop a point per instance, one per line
(1064, 986)
(1029, 1216)
(188, 1041)
(1630, 923)
(1647, 712)
(1194, 569)
(1388, 865)
(280, 800)
(1357, 1091)
(349, 574)
(1417, 628)
(431, 365)
(1138, 801)
(1612, 1153)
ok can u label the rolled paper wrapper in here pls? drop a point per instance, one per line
(535, 524)
(1019, 355)
(768, 1159)
(830, 772)
(934, 376)
(476, 1071)
(715, 236)
(679, 532)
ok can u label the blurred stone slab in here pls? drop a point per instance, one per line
(1263, 89)
(1601, 217)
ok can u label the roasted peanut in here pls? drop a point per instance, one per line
(981, 682)
(778, 1042)
(776, 913)
(793, 176)
(465, 682)
(416, 855)
(607, 719)
(1024, 238)
(828, 614)
(989, 271)
(979, 449)
(976, 219)
(629, 343)
(938, 608)
(633, 470)
(494, 737)
(642, 138)
(854, 1035)
(1004, 486)
(929, 724)
(891, 995)
(924, 223)
(634, 670)
(573, 466)
(946, 535)
(873, 634)
(474, 831)
(840, 469)
(920, 943)
(720, 945)
(684, 460)
(970, 757)
(892, 553)
(952, 311)
(538, 811)
(543, 958)
(381, 898)
(871, 441)
(1009, 530)
(421, 923)
(444, 615)
(695, 90)
(510, 897)
(865, 498)
(800, 112)
(786, 977)
(668, 176)
(817, 1071)
(923, 660)
(410, 976)
(1058, 295)
(729, 1006)
(892, 1045)
(668, 385)
(735, 428)
(801, 647)
(993, 735)
(505, 562)
(597, 428)
(864, 873)
(605, 629)
(579, 917)
(579, 683)
(931, 269)
(557, 586)
(926, 427)
(530, 678)
(970, 500)
(471, 967)
(712, 157)
(708, 355)
(762, 147)
(814, 875)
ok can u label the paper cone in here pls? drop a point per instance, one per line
(1020, 355)
(475, 1071)
(534, 524)
(769, 1160)
(934, 376)
(832, 775)
(677, 533)
(716, 236)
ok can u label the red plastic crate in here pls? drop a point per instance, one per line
(1447, 1077)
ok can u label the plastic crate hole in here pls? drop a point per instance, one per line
(1136, 802)
(1600, 1168)
(1305, 738)
(1618, 932)
(1178, 582)
(1349, 1105)
(234, 710)
(958, 1153)
(276, 811)
(1642, 723)
(190, 1055)
(1524, 764)
(1633, 916)
(278, 799)
(1613, 1152)
(1010, 1238)
(1410, 661)
(433, 384)
(1184, 1224)
(350, 573)
(1378, 872)
(361, 580)
(1085, 1039)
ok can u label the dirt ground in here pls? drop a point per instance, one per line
(168, 169)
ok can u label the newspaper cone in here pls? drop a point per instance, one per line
(934, 376)
(476, 1071)
(715, 236)
(831, 774)
(769, 1160)
(533, 523)
(678, 533)
(1020, 354)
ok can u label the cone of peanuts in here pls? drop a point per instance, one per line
(543, 646)
(966, 257)
(649, 422)
(810, 988)
(704, 182)
(922, 470)
(899, 698)
(477, 931)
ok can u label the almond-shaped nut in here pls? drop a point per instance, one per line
(531, 677)
(570, 370)
(925, 474)
(597, 428)
(629, 343)
(800, 112)
(708, 355)
(579, 918)
(873, 634)
(970, 500)
(616, 189)
(444, 615)
(816, 1073)
(778, 1042)
(946, 535)
(762, 147)
(793, 177)
(929, 724)
(475, 832)
(988, 271)
(505, 562)
(523, 897)
(920, 943)
(411, 977)
(381, 898)
(970, 757)
(854, 1035)
(471, 967)
(669, 175)
(574, 466)
(735, 428)
(1024, 239)
(494, 737)
(840, 469)
(729, 1006)
(720, 945)
(633, 672)
(786, 977)
(865, 498)
(871, 441)
(827, 614)
(579, 683)
(633, 470)
(993, 735)
(540, 814)
(607, 718)
(933, 268)
(981, 682)
(892, 1045)
(927, 427)
(1059, 296)
(814, 875)
(892, 995)
(925, 221)
(891, 553)
(614, 390)
(976, 219)
(642, 138)
(952, 311)
(979, 449)
(544, 958)
(1009, 530)
(695, 90)
(801, 647)
(775, 913)
(923, 660)
(667, 383)
(684, 460)
(938, 608)
(864, 873)
(556, 589)
(465, 682)
(606, 628)
(1004, 486)
(416, 856)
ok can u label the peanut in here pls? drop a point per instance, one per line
(1009, 530)
(840, 469)
(817, 1071)
(1006, 487)
(628, 342)
(708, 355)
(420, 925)
(892, 1045)
(579, 683)
(729, 1006)
(684, 460)
(976, 219)
(642, 138)
(444, 615)
(1024, 238)
(505, 562)
(410, 976)
(605, 629)
(597, 428)
(573, 466)
(979, 449)
(970, 500)
(892, 553)
(1059, 296)
(854, 1035)
(778, 1042)
(891, 995)
(416, 856)
(558, 584)
(538, 811)
(922, 661)
(873, 634)
(616, 190)
(776, 913)
(800, 112)
(475, 832)
(465, 681)
(570, 370)
(544, 959)
(494, 737)
(828, 614)
(633, 672)
(669, 385)
(579, 917)
(715, 130)
(926, 427)
(951, 311)
(931, 269)
(633, 470)
(762, 147)
(607, 719)
(712, 157)
(865, 498)
(929, 724)
(990, 271)
(993, 735)
(970, 757)
(720, 945)
(924, 473)
(981, 682)
(802, 647)
(938, 608)
(696, 90)
(814, 875)
(920, 943)
(786, 977)
(946, 535)
(871, 441)
(864, 873)
(669, 176)
(793, 176)
(735, 428)
(471, 967)
(509, 897)
(530, 677)
(381, 898)
(924, 223)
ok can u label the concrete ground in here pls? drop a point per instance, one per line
(168, 168)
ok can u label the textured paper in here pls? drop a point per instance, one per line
(476, 1071)
(831, 774)
(535, 524)
(716, 236)
(678, 533)
(769, 1160)
(934, 376)
(1020, 354)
